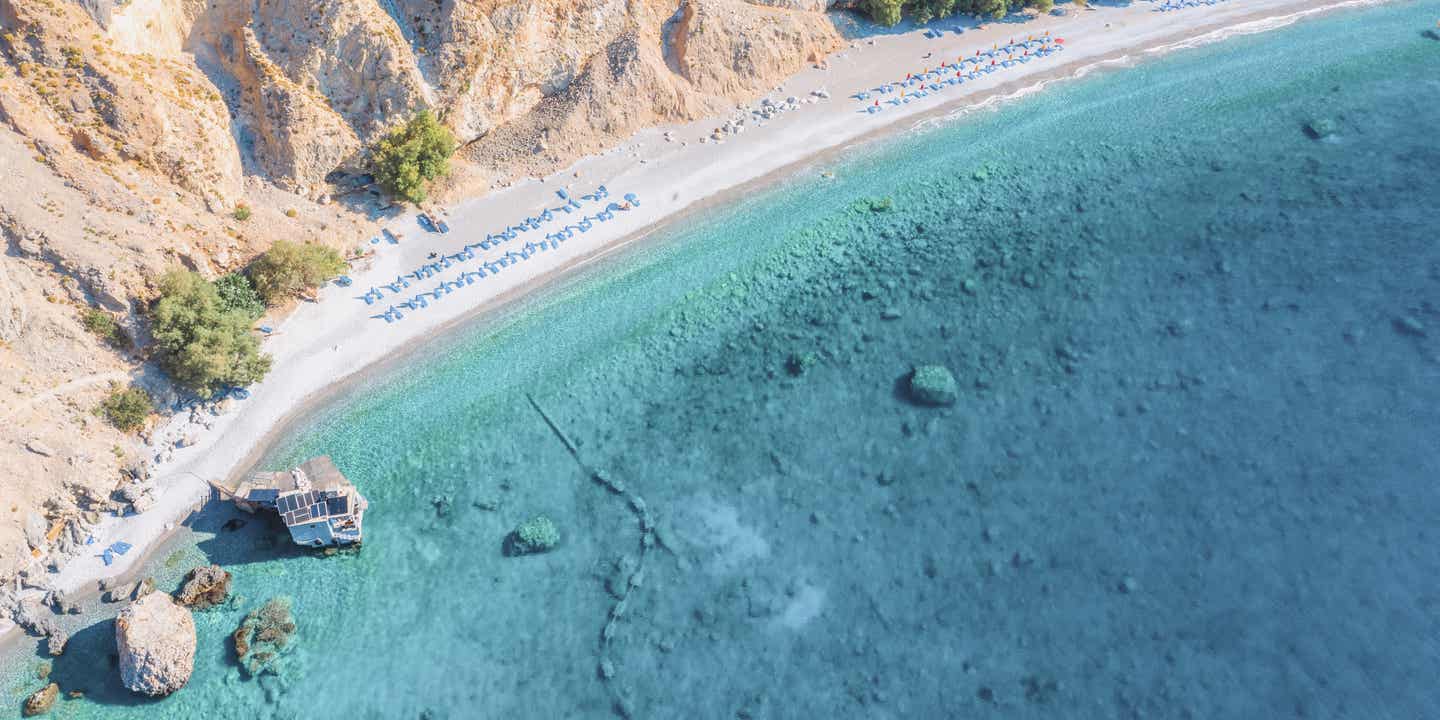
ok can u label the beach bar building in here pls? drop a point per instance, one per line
(318, 504)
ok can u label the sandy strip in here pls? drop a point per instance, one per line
(327, 346)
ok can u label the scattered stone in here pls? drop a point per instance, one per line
(933, 385)
(42, 671)
(233, 524)
(35, 530)
(799, 362)
(885, 478)
(205, 587)
(39, 448)
(613, 484)
(1320, 128)
(607, 669)
(263, 636)
(1040, 689)
(1128, 585)
(890, 314)
(1409, 325)
(442, 505)
(618, 582)
(536, 535)
(141, 588)
(156, 641)
(42, 700)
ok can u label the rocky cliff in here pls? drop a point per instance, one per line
(130, 132)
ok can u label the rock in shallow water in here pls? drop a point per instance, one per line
(264, 635)
(42, 700)
(205, 587)
(156, 640)
(933, 385)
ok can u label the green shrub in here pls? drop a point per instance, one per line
(236, 293)
(408, 158)
(126, 408)
(242, 212)
(287, 268)
(203, 346)
(888, 12)
(102, 325)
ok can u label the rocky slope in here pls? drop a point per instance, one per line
(130, 132)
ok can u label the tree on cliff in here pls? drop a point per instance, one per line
(407, 159)
(287, 268)
(888, 12)
(203, 346)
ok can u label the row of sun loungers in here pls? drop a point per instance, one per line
(949, 74)
(1169, 5)
(491, 266)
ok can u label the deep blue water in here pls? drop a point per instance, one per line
(1191, 472)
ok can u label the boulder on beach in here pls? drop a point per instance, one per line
(263, 636)
(536, 535)
(933, 385)
(41, 700)
(156, 640)
(205, 587)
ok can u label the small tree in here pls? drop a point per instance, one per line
(242, 212)
(236, 293)
(126, 408)
(203, 346)
(884, 12)
(408, 158)
(103, 325)
(287, 267)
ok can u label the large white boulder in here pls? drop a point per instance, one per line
(156, 637)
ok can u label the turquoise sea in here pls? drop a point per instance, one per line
(1191, 473)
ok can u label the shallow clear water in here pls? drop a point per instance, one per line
(1191, 472)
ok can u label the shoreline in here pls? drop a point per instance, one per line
(310, 375)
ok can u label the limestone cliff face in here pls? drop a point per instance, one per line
(309, 83)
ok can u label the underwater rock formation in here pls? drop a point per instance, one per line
(205, 587)
(41, 700)
(536, 535)
(263, 636)
(156, 639)
(932, 385)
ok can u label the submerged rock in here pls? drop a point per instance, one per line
(156, 640)
(1320, 128)
(41, 700)
(205, 587)
(263, 636)
(799, 362)
(933, 385)
(536, 535)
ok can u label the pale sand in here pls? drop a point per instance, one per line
(323, 346)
